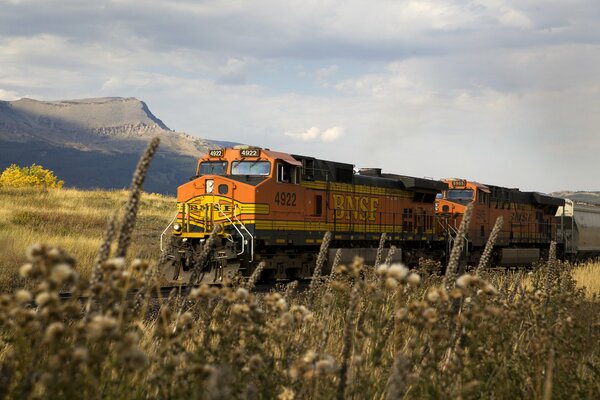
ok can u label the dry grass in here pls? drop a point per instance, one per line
(363, 333)
(74, 220)
(587, 277)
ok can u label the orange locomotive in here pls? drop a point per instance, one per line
(529, 220)
(276, 207)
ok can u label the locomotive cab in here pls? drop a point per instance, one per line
(528, 220)
(231, 192)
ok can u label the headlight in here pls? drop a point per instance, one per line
(177, 227)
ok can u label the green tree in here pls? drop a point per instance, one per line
(34, 176)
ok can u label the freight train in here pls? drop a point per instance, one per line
(275, 208)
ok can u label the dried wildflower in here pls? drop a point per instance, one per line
(381, 270)
(320, 260)
(464, 281)
(34, 251)
(286, 394)
(80, 355)
(489, 289)
(43, 298)
(53, 332)
(26, 270)
(430, 315)
(102, 326)
(401, 314)
(240, 309)
(61, 273)
(414, 279)
(242, 294)
(22, 296)
(281, 305)
(391, 283)
(134, 358)
(397, 271)
(325, 365)
(433, 295)
(185, 318)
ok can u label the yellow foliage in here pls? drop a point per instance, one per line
(36, 176)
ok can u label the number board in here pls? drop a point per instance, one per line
(250, 153)
(459, 183)
(215, 153)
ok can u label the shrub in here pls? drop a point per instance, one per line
(34, 176)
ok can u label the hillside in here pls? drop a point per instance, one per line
(586, 197)
(95, 142)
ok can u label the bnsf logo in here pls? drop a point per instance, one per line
(355, 207)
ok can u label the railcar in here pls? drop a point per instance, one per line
(529, 218)
(579, 229)
(276, 207)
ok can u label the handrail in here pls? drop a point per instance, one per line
(165, 231)
(247, 231)
(235, 227)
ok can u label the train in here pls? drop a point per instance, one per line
(274, 208)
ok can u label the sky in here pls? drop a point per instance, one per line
(504, 92)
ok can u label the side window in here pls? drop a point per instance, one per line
(287, 173)
(318, 205)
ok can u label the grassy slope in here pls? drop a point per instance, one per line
(74, 220)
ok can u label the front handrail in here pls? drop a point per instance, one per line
(165, 231)
(235, 227)
(247, 231)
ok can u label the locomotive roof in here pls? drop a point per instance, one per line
(343, 172)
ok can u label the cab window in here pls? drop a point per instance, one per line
(213, 168)
(459, 195)
(261, 168)
(287, 173)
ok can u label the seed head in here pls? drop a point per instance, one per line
(414, 279)
(22, 296)
(26, 270)
(401, 314)
(325, 365)
(433, 296)
(464, 281)
(61, 273)
(242, 294)
(281, 305)
(391, 283)
(397, 271)
(286, 394)
(80, 355)
(309, 357)
(381, 270)
(101, 326)
(54, 332)
(43, 298)
(430, 315)
(489, 289)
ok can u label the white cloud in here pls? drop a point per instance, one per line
(484, 89)
(8, 95)
(332, 134)
(314, 133)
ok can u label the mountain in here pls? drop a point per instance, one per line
(96, 142)
(585, 197)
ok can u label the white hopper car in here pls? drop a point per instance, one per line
(579, 228)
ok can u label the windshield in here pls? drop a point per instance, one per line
(463, 194)
(213, 168)
(250, 168)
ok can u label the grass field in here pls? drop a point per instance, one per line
(361, 333)
(74, 220)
